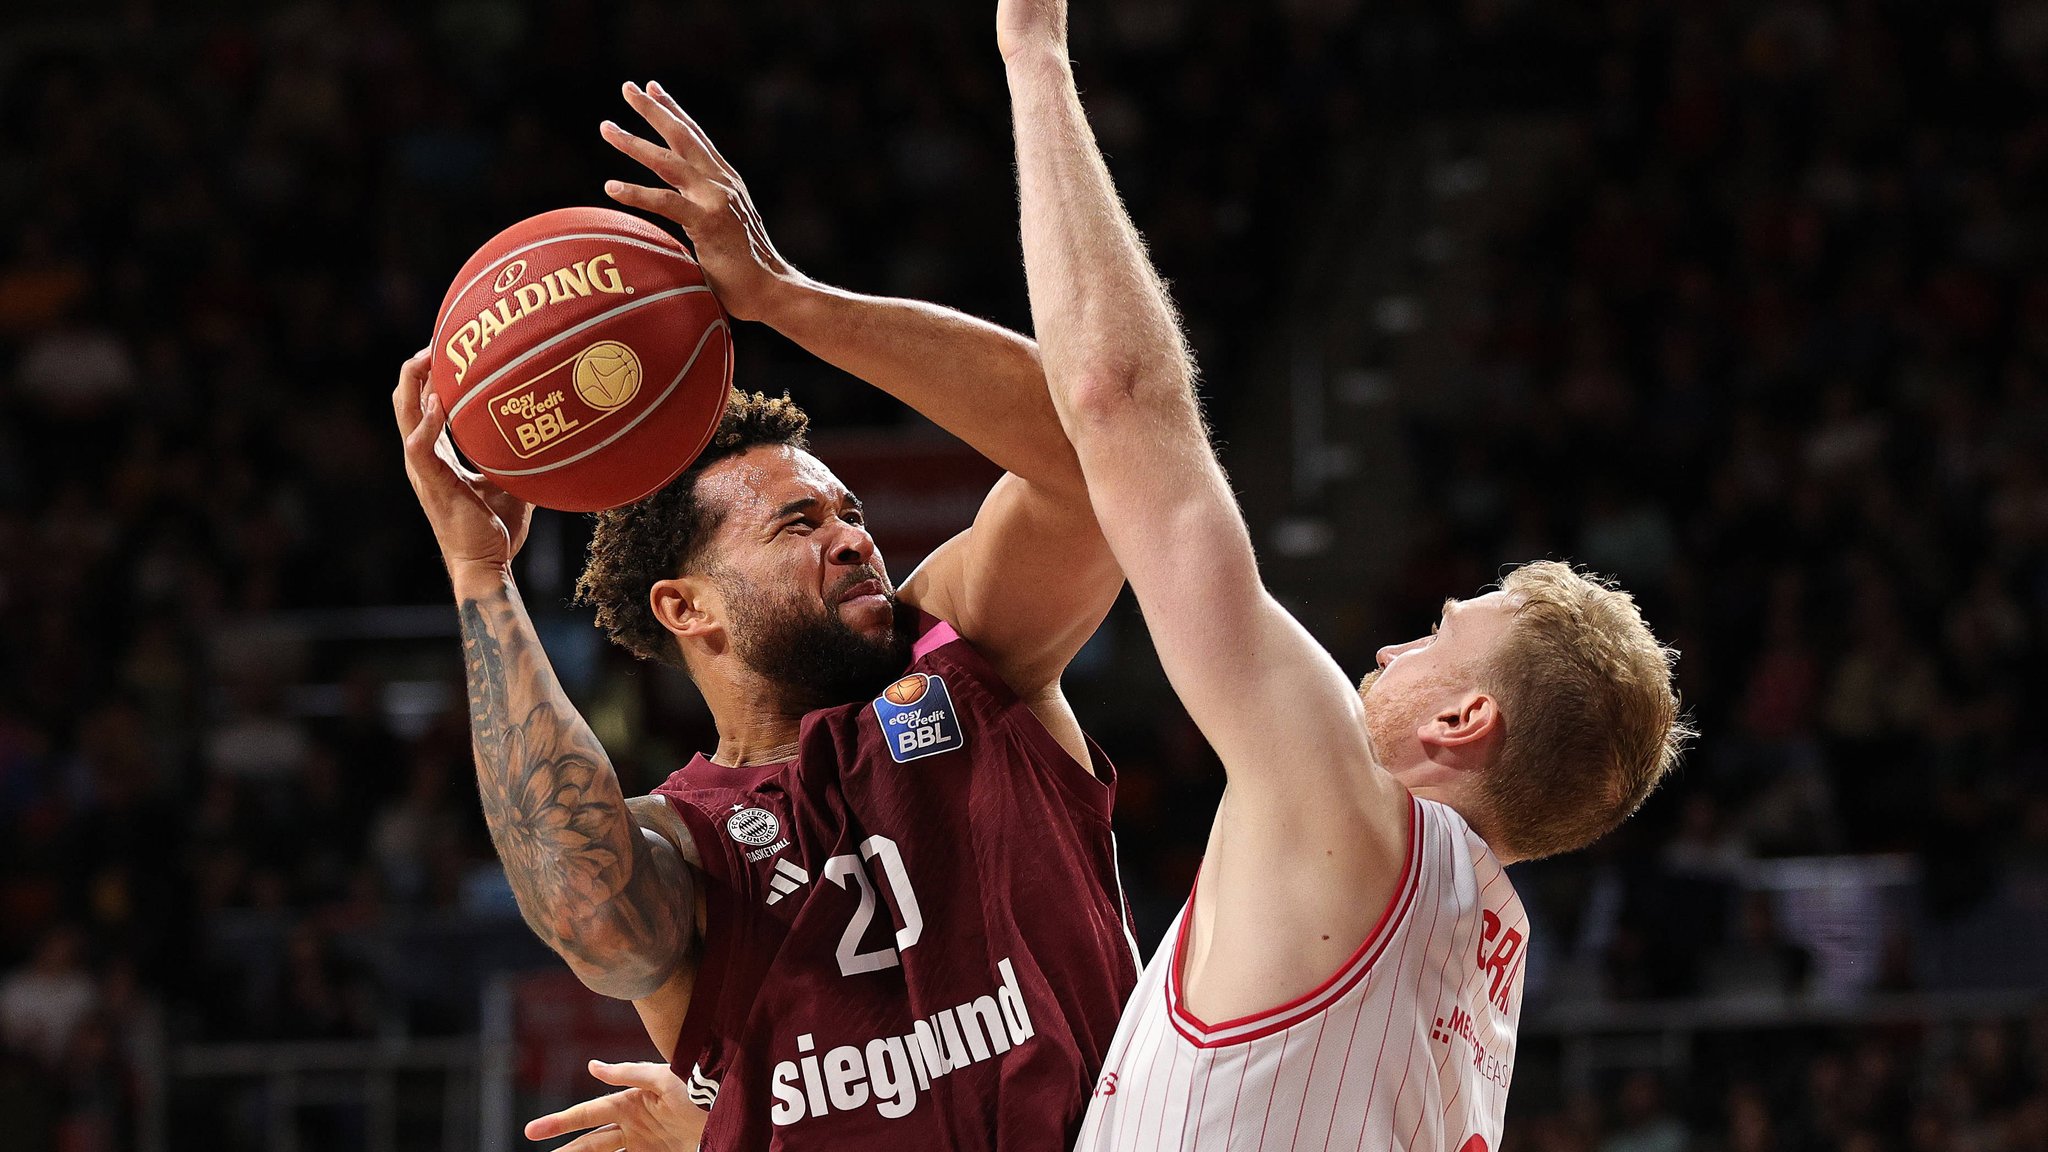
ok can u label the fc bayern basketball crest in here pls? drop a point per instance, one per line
(918, 718)
(753, 826)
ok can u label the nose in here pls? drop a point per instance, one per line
(853, 546)
(1385, 656)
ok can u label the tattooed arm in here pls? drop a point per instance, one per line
(607, 889)
(612, 897)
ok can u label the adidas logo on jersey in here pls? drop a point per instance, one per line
(787, 879)
(702, 1089)
(889, 1071)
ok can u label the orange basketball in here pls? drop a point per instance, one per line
(581, 358)
(906, 691)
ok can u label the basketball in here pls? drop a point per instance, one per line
(582, 359)
(908, 690)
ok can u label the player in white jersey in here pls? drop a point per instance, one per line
(1346, 973)
(1408, 1045)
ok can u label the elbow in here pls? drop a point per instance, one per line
(609, 973)
(632, 982)
(620, 965)
(1112, 399)
(1102, 398)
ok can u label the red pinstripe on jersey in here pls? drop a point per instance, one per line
(1316, 999)
(1438, 1069)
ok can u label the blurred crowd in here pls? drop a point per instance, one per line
(1771, 346)
(1980, 1087)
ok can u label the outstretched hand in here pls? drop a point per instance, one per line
(477, 523)
(652, 1114)
(708, 198)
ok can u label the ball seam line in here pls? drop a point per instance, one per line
(441, 327)
(497, 373)
(646, 411)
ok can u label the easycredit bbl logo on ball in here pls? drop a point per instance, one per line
(918, 718)
(568, 399)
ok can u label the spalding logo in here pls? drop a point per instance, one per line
(908, 690)
(599, 274)
(511, 275)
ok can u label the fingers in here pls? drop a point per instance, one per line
(611, 1139)
(656, 1078)
(660, 96)
(666, 163)
(405, 399)
(444, 448)
(677, 129)
(702, 137)
(693, 192)
(660, 201)
(426, 430)
(603, 1112)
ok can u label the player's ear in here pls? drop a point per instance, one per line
(688, 606)
(1466, 721)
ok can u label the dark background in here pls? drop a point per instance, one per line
(1742, 302)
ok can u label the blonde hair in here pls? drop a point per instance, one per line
(1593, 721)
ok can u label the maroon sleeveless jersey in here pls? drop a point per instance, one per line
(916, 938)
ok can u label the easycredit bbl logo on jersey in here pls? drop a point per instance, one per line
(918, 718)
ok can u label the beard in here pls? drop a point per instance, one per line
(1390, 719)
(1375, 711)
(811, 656)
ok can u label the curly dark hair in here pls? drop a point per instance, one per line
(655, 538)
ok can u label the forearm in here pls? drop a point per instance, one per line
(587, 879)
(979, 381)
(1107, 331)
(1115, 364)
(972, 378)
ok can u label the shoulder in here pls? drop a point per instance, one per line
(941, 650)
(1446, 839)
(656, 814)
(1461, 876)
(720, 816)
(937, 640)
(946, 680)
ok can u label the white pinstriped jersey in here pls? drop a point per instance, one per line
(1410, 1045)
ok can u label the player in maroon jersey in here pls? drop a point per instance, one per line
(884, 912)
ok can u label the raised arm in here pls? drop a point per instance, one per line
(613, 898)
(1304, 795)
(1033, 578)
